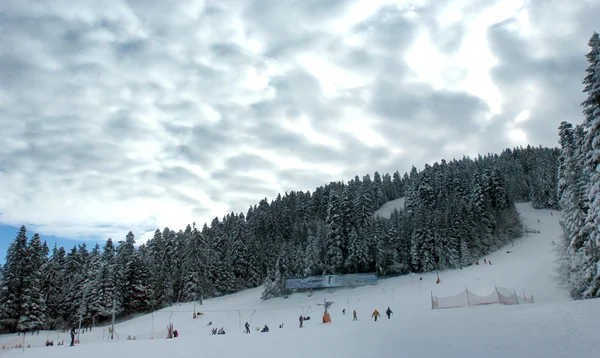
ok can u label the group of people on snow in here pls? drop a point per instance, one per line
(485, 262)
(376, 314)
(218, 332)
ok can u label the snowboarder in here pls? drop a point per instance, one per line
(388, 312)
(247, 325)
(301, 320)
(265, 329)
(354, 316)
(375, 314)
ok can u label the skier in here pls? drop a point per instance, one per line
(301, 320)
(490, 262)
(247, 325)
(375, 314)
(388, 312)
(484, 261)
(354, 316)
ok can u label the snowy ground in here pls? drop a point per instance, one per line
(387, 208)
(554, 326)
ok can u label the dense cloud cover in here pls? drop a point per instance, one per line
(132, 115)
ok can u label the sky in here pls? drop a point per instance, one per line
(136, 115)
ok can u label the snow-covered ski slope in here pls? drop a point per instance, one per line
(553, 326)
(387, 208)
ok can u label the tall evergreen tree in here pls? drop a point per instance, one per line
(33, 305)
(591, 110)
(14, 289)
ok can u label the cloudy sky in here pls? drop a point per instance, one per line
(123, 115)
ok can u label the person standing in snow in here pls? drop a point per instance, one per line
(375, 315)
(72, 336)
(354, 316)
(247, 325)
(301, 320)
(388, 312)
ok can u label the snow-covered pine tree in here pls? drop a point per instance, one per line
(398, 185)
(357, 260)
(136, 291)
(274, 284)
(591, 110)
(93, 308)
(481, 219)
(363, 203)
(389, 190)
(424, 237)
(124, 253)
(334, 255)
(74, 273)
(196, 272)
(239, 252)
(313, 253)
(33, 305)
(379, 197)
(106, 288)
(347, 213)
(13, 289)
(53, 286)
(169, 256)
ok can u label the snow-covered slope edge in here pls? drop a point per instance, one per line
(387, 208)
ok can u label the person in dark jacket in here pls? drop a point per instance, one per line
(301, 320)
(247, 325)
(388, 312)
(72, 336)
